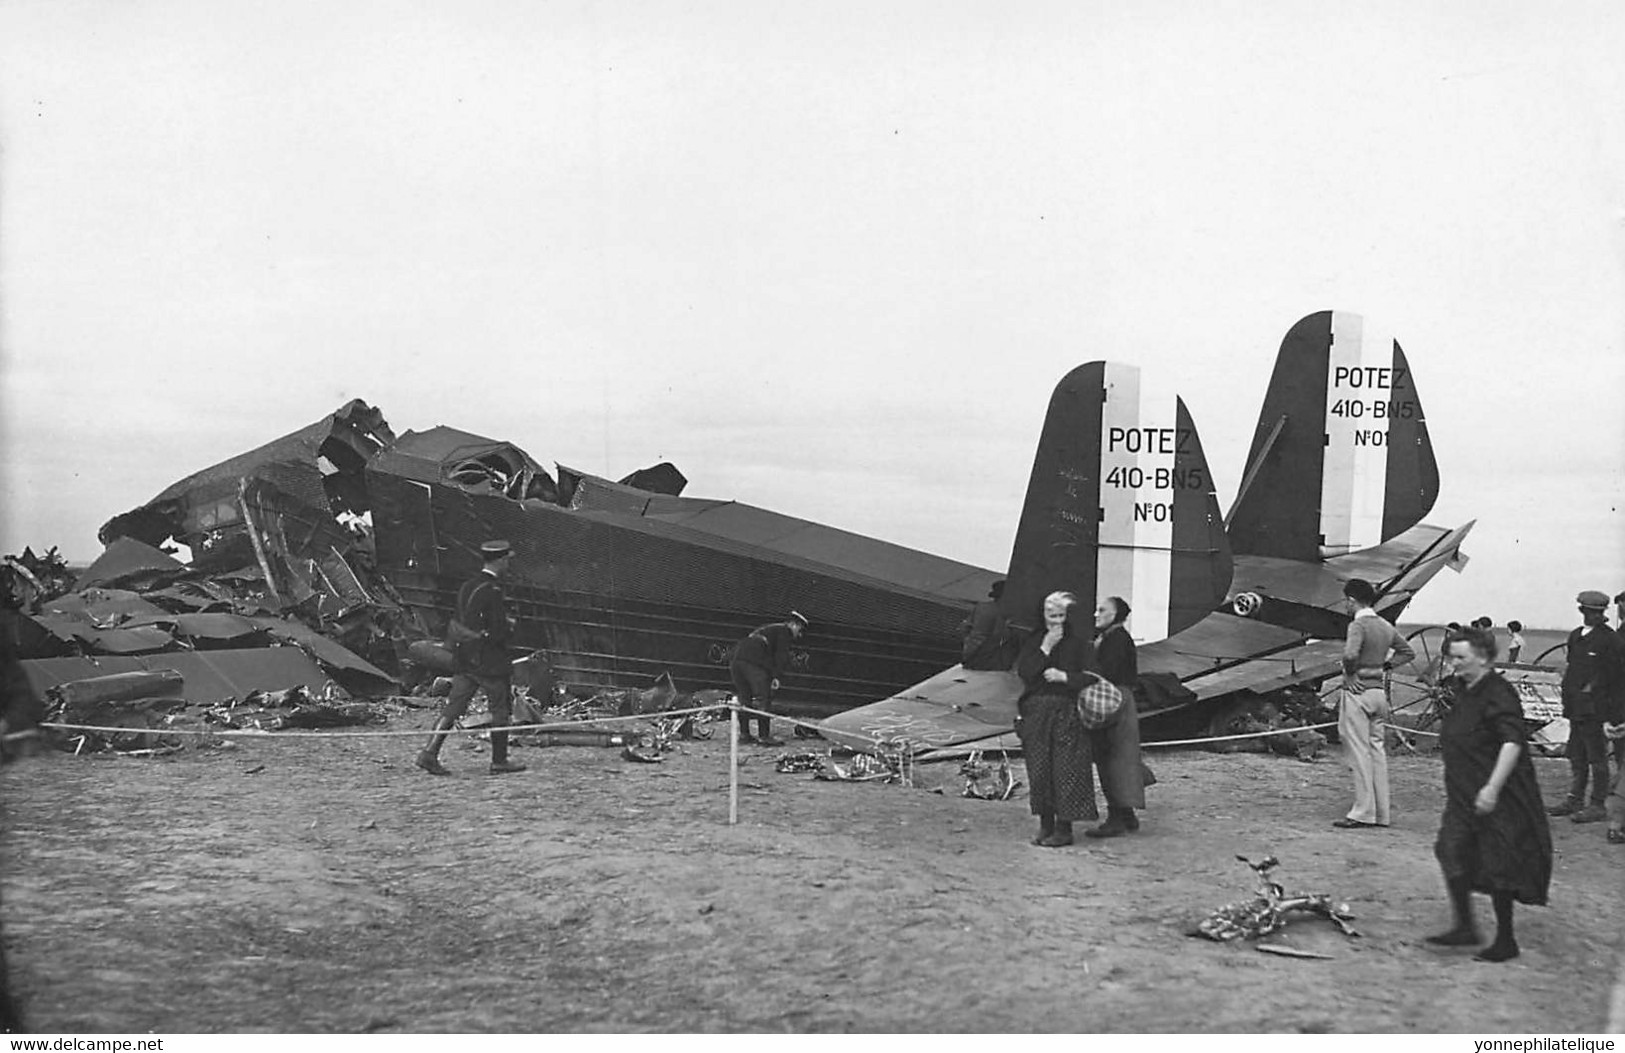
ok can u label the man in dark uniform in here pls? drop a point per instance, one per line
(985, 634)
(1593, 684)
(759, 660)
(482, 662)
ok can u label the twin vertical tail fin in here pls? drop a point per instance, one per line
(1120, 503)
(1341, 460)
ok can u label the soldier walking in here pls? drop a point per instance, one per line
(482, 662)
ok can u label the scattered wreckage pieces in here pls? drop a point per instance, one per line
(139, 700)
(890, 761)
(988, 782)
(295, 708)
(27, 580)
(800, 763)
(1286, 712)
(151, 701)
(207, 676)
(1270, 909)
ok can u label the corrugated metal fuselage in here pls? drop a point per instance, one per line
(618, 599)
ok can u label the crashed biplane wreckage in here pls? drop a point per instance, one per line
(369, 532)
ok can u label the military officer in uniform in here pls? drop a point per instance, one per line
(758, 662)
(482, 662)
(1592, 686)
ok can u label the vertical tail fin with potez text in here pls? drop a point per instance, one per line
(1120, 503)
(1341, 460)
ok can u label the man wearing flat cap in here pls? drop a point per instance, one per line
(758, 662)
(1593, 696)
(482, 662)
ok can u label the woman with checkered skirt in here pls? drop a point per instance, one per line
(1053, 664)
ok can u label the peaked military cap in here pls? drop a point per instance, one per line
(1592, 598)
(495, 549)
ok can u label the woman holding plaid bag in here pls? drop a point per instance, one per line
(1055, 662)
(1116, 746)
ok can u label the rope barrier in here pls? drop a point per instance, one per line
(1143, 745)
(587, 725)
(288, 735)
(1238, 738)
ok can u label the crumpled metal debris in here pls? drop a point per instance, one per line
(889, 761)
(988, 782)
(799, 763)
(28, 580)
(294, 708)
(140, 701)
(1286, 711)
(1270, 909)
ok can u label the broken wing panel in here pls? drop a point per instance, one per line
(209, 676)
(955, 706)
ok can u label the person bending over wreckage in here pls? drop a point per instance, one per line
(759, 660)
(478, 638)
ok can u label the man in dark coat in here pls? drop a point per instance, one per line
(482, 662)
(1593, 684)
(759, 661)
(986, 634)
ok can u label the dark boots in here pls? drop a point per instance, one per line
(1464, 933)
(1046, 828)
(1504, 947)
(764, 733)
(429, 756)
(1062, 835)
(500, 764)
(1119, 821)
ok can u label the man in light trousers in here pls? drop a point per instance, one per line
(1373, 647)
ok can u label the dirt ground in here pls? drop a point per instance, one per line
(338, 888)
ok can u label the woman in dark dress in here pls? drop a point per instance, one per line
(1053, 740)
(1493, 837)
(1116, 746)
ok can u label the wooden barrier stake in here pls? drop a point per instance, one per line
(733, 761)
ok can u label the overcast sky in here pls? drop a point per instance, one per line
(828, 258)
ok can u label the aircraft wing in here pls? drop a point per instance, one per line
(1219, 655)
(955, 706)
